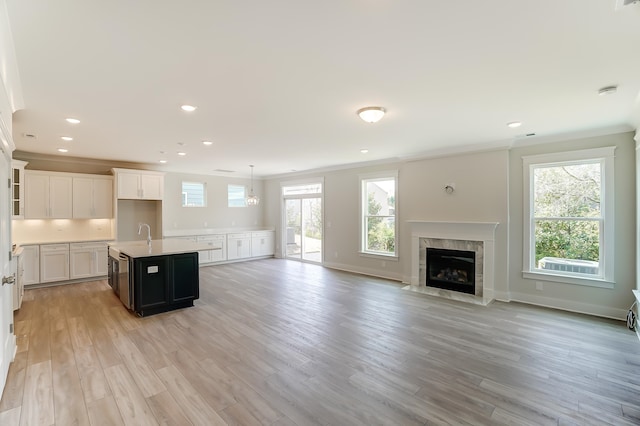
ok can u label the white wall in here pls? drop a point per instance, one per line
(599, 301)
(217, 214)
(481, 195)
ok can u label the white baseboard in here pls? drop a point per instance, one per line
(364, 271)
(571, 306)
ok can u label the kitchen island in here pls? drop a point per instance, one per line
(155, 277)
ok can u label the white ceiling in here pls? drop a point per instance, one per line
(277, 83)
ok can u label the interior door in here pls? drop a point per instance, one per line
(7, 338)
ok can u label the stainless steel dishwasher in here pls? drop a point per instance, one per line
(124, 281)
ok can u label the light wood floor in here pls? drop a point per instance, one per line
(283, 343)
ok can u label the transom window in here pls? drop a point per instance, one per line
(194, 194)
(378, 219)
(569, 211)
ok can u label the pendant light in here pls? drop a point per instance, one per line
(252, 199)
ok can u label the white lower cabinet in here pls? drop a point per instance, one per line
(238, 246)
(87, 260)
(262, 243)
(54, 262)
(31, 264)
(218, 243)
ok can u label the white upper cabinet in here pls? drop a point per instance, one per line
(47, 196)
(93, 197)
(139, 184)
(17, 188)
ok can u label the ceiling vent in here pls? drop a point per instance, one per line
(620, 4)
(30, 136)
(224, 171)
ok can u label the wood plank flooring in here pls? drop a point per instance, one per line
(276, 342)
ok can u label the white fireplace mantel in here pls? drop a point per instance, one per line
(471, 231)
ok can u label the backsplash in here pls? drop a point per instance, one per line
(31, 231)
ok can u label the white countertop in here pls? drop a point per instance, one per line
(136, 249)
(210, 231)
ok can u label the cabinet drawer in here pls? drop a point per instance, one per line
(239, 235)
(51, 248)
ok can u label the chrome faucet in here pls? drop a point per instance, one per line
(148, 231)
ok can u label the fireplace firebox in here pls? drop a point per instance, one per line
(451, 269)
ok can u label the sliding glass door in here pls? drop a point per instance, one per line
(303, 222)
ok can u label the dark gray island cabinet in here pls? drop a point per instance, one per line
(155, 278)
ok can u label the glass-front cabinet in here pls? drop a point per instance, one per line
(17, 188)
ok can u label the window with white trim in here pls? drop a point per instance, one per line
(568, 232)
(237, 196)
(194, 194)
(378, 195)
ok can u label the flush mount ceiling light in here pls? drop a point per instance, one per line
(371, 114)
(514, 124)
(252, 199)
(66, 138)
(609, 90)
(72, 120)
(188, 108)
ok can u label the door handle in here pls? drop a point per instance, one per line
(9, 280)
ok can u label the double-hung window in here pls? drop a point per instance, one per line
(378, 195)
(568, 232)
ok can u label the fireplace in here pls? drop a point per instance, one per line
(451, 269)
(475, 237)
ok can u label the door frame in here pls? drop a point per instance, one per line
(7, 334)
(283, 215)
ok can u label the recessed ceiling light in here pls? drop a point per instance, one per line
(609, 90)
(514, 124)
(182, 153)
(162, 161)
(188, 108)
(62, 150)
(72, 120)
(207, 143)
(364, 151)
(66, 138)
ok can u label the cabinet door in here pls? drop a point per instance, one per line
(262, 244)
(151, 187)
(101, 261)
(81, 264)
(36, 196)
(31, 264)
(151, 275)
(82, 198)
(54, 264)
(185, 277)
(128, 185)
(239, 248)
(60, 197)
(102, 198)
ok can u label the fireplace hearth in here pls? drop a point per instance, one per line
(450, 269)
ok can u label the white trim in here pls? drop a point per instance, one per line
(363, 178)
(570, 305)
(396, 276)
(283, 214)
(605, 156)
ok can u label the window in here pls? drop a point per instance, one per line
(569, 217)
(236, 195)
(378, 219)
(193, 194)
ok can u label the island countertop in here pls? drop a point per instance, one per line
(138, 249)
